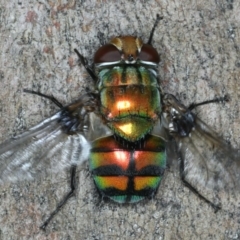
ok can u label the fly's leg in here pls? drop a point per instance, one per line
(180, 119)
(215, 100)
(183, 128)
(216, 207)
(52, 98)
(65, 199)
(84, 62)
(180, 123)
(182, 175)
(73, 118)
(153, 29)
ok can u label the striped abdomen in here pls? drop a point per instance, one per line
(127, 175)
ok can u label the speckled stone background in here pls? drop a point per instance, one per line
(199, 46)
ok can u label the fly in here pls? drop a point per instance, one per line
(128, 162)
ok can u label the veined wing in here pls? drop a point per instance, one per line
(45, 147)
(208, 161)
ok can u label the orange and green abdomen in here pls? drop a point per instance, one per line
(127, 175)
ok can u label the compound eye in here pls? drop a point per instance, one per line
(107, 53)
(149, 54)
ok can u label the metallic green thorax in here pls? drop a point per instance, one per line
(130, 99)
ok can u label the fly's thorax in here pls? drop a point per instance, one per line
(130, 100)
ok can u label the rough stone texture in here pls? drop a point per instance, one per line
(199, 46)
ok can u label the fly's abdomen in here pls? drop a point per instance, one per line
(130, 100)
(127, 175)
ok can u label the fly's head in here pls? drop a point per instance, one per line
(127, 50)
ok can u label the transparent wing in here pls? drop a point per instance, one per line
(208, 161)
(45, 147)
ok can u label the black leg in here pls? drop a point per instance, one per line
(53, 99)
(216, 100)
(65, 199)
(85, 64)
(194, 190)
(153, 29)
